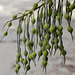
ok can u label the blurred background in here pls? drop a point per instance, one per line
(8, 45)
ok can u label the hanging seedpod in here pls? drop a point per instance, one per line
(43, 31)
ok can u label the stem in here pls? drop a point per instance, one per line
(25, 14)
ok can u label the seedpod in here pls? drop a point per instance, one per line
(68, 10)
(21, 59)
(20, 30)
(68, 3)
(14, 16)
(35, 5)
(25, 53)
(33, 20)
(70, 29)
(30, 11)
(66, 16)
(45, 58)
(46, 26)
(40, 53)
(52, 42)
(40, 43)
(44, 63)
(45, 42)
(45, 53)
(24, 39)
(37, 31)
(18, 55)
(27, 43)
(42, 48)
(16, 60)
(63, 52)
(48, 46)
(25, 61)
(5, 33)
(52, 29)
(56, 40)
(15, 69)
(58, 18)
(60, 28)
(72, 6)
(30, 56)
(9, 24)
(18, 66)
(33, 54)
(27, 67)
(47, 36)
(33, 30)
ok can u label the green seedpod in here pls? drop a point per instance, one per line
(52, 42)
(5, 33)
(21, 18)
(40, 53)
(16, 60)
(40, 15)
(68, 3)
(20, 30)
(30, 11)
(27, 43)
(55, 46)
(63, 52)
(55, 27)
(40, 43)
(15, 69)
(33, 30)
(33, 54)
(25, 61)
(51, 29)
(58, 18)
(45, 53)
(35, 5)
(48, 46)
(68, 10)
(56, 40)
(66, 16)
(21, 59)
(70, 29)
(18, 55)
(42, 48)
(60, 28)
(30, 56)
(60, 47)
(24, 39)
(9, 24)
(31, 51)
(14, 16)
(33, 20)
(44, 63)
(59, 32)
(37, 31)
(51, 11)
(25, 53)
(72, 6)
(18, 66)
(45, 58)
(31, 43)
(47, 36)
(45, 42)
(46, 26)
(27, 67)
